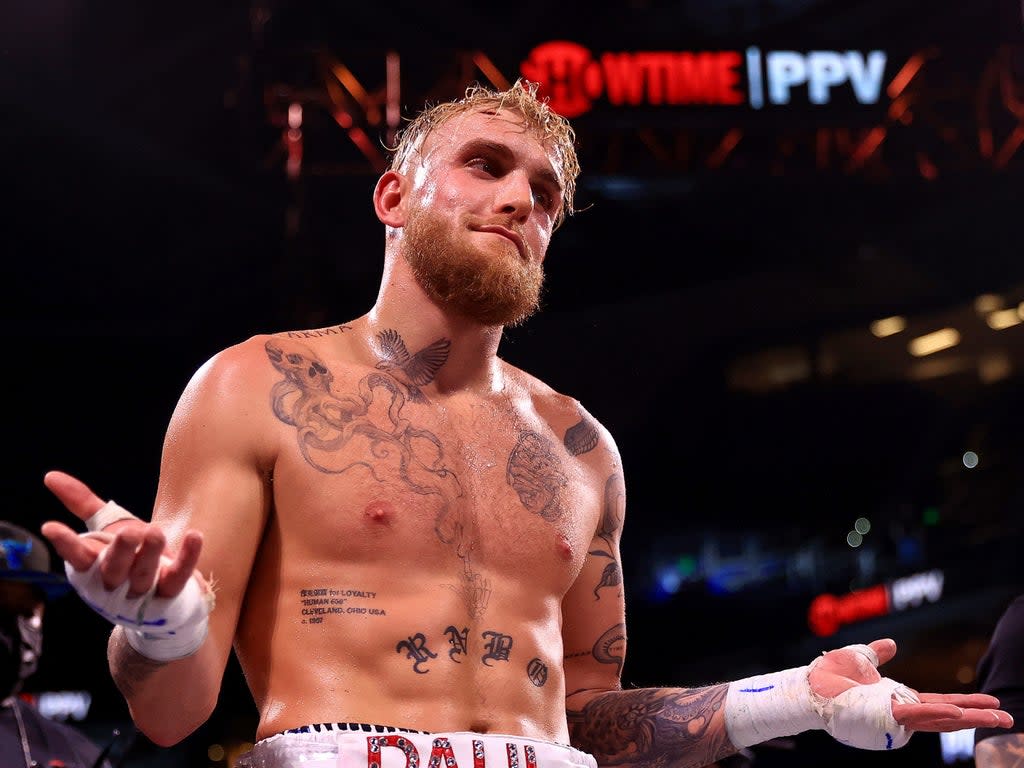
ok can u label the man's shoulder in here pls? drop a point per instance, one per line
(281, 350)
(580, 429)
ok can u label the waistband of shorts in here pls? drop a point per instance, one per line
(351, 728)
(368, 745)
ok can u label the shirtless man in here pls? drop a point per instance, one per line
(394, 527)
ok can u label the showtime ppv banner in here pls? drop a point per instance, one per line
(576, 79)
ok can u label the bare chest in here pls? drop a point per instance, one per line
(472, 489)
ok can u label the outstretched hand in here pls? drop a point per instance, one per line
(132, 549)
(843, 668)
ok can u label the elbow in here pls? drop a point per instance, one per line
(166, 730)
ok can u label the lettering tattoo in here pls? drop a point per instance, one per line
(416, 650)
(609, 529)
(535, 474)
(459, 642)
(498, 647)
(412, 370)
(316, 333)
(320, 604)
(652, 727)
(369, 429)
(610, 648)
(581, 437)
(537, 672)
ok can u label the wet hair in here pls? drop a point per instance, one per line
(553, 129)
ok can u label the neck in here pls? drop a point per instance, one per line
(471, 362)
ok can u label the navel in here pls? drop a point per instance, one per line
(380, 512)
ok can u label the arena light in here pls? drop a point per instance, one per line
(934, 342)
(988, 302)
(1003, 318)
(887, 326)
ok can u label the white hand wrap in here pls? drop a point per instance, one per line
(782, 703)
(111, 512)
(160, 628)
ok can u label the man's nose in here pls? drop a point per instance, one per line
(515, 195)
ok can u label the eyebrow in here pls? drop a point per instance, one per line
(483, 145)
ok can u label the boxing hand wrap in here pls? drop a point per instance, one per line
(109, 513)
(768, 706)
(782, 703)
(160, 628)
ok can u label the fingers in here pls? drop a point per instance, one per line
(948, 717)
(884, 649)
(963, 700)
(78, 551)
(73, 494)
(177, 573)
(133, 554)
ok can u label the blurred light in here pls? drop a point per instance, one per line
(936, 367)
(988, 302)
(910, 550)
(215, 752)
(60, 705)
(965, 674)
(854, 539)
(930, 516)
(994, 367)
(888, 326)
(862, 526)
(1004, 318)
(970, 459)
(686, 566)
(669, 580)
(934, 342)
(1020, 310)
(294, 115)
(957, 746)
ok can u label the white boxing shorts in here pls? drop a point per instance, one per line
(360, 745)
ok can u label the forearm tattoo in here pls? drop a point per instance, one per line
(1003, 751)
(653, 727)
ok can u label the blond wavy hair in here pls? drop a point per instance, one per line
(553, 129)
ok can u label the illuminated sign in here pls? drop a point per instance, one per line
(61, 705)
(574, 79)
(828, 612)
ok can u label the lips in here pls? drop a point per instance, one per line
(496, 229)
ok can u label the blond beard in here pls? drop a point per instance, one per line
(493, 289)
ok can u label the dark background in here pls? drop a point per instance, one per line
(711, 307)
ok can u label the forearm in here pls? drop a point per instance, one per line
(1003, 751)
(653, 727)
(167, 700)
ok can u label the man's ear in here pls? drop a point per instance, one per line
(388, 199)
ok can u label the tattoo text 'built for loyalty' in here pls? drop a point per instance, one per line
(320, 602)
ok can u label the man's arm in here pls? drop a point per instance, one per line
(841, 691)
(1001, 671)
(211, 505)
(1003, 751)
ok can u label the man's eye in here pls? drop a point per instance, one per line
(482, 164)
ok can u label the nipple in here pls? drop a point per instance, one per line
(563, 547)
(379, 512)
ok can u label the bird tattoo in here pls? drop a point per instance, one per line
(414, 371)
